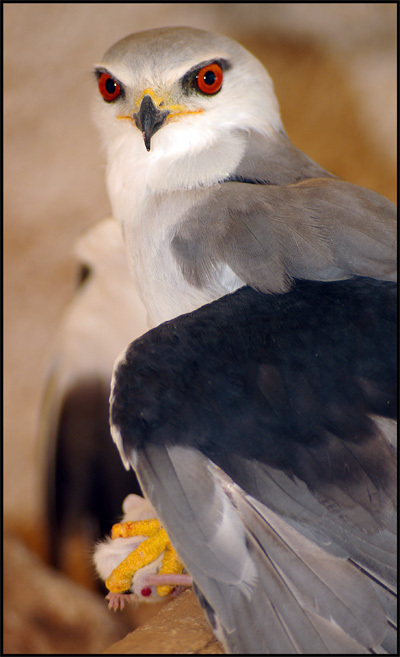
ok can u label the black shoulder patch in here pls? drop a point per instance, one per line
(285, 379)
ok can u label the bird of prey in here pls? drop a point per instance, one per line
(77, 457)
(274, 473)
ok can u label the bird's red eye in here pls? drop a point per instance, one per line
(108, 87)
(209, 78)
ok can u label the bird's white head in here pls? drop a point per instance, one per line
(173, 93)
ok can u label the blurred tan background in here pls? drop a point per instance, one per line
(334, 69)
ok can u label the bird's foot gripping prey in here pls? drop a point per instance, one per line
(138, 562)
(259, 419)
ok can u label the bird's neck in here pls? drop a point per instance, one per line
(133, 174)
(150, 194)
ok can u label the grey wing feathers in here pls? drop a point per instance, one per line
(321, 585)
(179, 484)
(317, 229)
(310, 601)
(356, 519)
(275, 161)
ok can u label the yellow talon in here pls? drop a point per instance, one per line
(150, 549)
(120, 579)
(135, 528)
(170, 564)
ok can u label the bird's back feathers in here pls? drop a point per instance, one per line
(251, 426)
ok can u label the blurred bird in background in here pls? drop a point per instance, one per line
(77, 454)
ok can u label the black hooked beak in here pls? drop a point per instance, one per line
(149, 119)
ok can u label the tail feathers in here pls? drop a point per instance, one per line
(376, 551)
(388, 598)
(314, 602)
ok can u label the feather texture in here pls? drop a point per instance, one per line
(290, 395)
(257, 428)
(315, 229)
